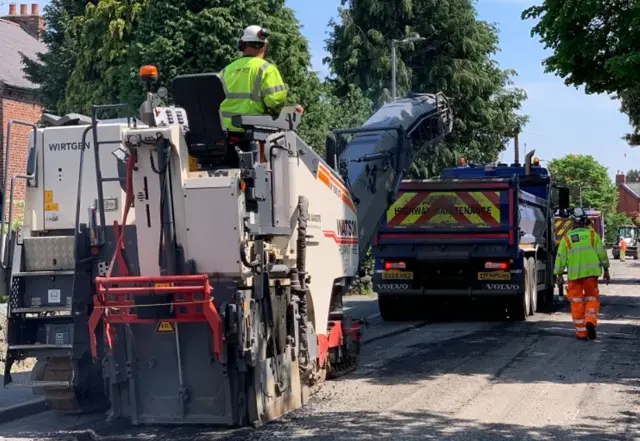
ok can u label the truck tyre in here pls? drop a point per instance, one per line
(390, 307)
(518, 307)
(533, 285)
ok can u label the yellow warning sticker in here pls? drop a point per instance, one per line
(193, 164)
(48, 196)
(163, 285)
(164, 327)
(51, 206)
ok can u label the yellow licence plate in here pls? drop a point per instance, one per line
(397, 275)
(494, 275)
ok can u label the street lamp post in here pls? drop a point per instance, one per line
(580, 189)
(394, 43)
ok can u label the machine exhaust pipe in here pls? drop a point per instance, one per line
(516, 150)
(527, 162)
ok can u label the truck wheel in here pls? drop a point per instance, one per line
(518, 307)
(533, 285)
(390, 307)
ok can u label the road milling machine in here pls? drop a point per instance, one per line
(195, 276)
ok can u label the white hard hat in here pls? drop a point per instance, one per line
(254, 34)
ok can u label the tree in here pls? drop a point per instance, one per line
(51, 69)
(582, 173)
(454, 59)
(594, 45)
(633, 175)
(111, 39)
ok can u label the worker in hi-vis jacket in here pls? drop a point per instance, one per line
(581, 251)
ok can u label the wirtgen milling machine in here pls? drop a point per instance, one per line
(222, 302)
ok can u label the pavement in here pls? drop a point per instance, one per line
(467, 377)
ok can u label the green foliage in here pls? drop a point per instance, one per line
(583, 171)
(329, 112)
(594, 45)
(598, 192)
(633, 175)
(454, 59)
(51, 69)
(109, 40)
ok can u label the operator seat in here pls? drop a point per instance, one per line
(201, 95)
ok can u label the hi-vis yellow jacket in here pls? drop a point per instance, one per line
(253, 87)
(582, 252)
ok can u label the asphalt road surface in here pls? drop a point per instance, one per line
(465, 378)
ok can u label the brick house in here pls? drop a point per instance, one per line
(19, 34)
(628, 195)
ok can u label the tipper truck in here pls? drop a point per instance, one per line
(475, 232)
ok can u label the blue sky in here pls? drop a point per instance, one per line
(563, 120)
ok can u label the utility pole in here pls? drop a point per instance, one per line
(394, 44)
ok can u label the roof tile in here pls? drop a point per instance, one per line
(14, 42)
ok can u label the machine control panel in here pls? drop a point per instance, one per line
(168, 116)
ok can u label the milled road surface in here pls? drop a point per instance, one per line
(459, 380)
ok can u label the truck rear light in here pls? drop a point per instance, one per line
(496, 265)
(395, 265)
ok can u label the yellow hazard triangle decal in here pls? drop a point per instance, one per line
(164, 327)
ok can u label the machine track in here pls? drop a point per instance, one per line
(65, 400)
(344, 367)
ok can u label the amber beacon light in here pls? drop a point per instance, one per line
(148, 73)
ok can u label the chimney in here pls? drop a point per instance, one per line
(620, 178)
(32, 24)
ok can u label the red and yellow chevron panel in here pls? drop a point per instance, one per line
(479, 209)
(561, 226)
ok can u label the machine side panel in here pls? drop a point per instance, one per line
(332, 234)
(215, 234)
(33, 195)
(146, 189)
(61, 153)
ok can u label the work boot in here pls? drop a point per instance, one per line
(591, 331)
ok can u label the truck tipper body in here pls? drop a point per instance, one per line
(476, 231)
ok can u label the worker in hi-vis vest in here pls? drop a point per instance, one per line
(253, 86)
(623, 249)
(581, 251)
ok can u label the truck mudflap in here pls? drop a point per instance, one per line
(497, 290)
(487, 277)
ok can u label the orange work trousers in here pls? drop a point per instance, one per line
(585, 303)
